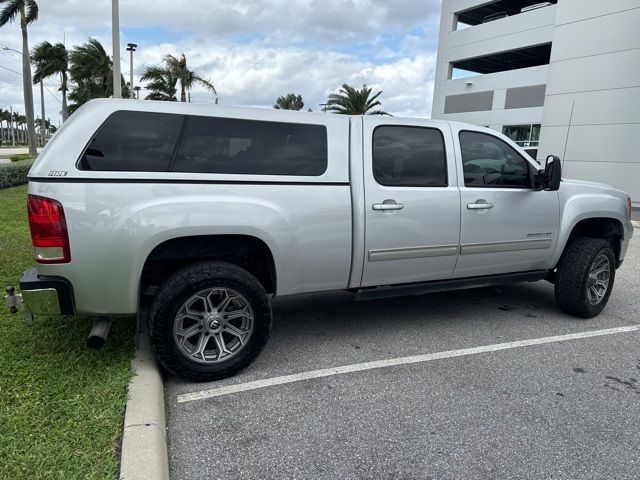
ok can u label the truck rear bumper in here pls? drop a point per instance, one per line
(46, 295)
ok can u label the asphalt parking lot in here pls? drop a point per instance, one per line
(563, 408)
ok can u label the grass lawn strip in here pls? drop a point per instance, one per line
(61, 406)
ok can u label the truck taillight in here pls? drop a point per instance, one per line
(48, 230)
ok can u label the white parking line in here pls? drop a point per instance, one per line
(358, 367)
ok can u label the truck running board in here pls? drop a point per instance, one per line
(413, 289)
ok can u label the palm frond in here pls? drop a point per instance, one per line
(10, 11)
(31, 11)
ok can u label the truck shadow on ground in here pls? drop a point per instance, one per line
(338, 310)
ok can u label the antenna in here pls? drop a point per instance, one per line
(566, 140)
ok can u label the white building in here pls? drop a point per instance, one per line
(561, 75)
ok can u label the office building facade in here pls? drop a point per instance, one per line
(558, 77)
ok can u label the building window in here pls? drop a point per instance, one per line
(523, 135)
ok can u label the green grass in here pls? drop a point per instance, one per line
(21, 156)
(61, 405)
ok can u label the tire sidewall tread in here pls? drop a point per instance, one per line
(177, 289)
(573, 273)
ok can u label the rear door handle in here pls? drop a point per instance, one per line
(388, 205)
(479, 205)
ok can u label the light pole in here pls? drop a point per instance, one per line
(115, 34)
(131, 47)
(137, 89)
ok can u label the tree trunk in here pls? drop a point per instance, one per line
(183, 94)
(26, 83)
(43, 129)
(65, 108)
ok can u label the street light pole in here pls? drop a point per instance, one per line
(43, 135)
(131, 47)
(115, 34)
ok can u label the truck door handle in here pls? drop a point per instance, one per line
(479, 205)
(388, 205)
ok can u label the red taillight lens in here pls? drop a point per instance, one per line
(48, 230)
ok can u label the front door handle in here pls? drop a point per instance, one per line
(388, 205)
(479, 205)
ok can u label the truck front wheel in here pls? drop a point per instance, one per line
(585, 277)
(209, 321)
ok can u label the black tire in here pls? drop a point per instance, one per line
(181, 286)
(573, 274)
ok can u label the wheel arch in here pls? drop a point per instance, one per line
(246, 251)
(605, 228)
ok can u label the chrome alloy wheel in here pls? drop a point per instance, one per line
(213, 325)
(598, 280)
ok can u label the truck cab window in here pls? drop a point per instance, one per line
(488, 161)
(409, 157)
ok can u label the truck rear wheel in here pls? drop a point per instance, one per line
(209, 321)
(585, 277)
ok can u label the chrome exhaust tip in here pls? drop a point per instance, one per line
(99, 333)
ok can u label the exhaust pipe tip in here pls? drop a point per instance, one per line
(99, 333)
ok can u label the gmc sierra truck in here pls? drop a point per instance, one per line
(200, 214)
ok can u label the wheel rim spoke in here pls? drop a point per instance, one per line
(237, 314)
(221, 346)
(200, 347)
(240, 334)
(190, 331)
(599, 278)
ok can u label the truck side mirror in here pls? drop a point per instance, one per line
(552, 173)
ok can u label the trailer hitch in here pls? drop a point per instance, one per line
(14, 300)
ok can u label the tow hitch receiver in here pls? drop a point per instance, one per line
(13, 301)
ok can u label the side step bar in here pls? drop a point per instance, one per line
(413, 289)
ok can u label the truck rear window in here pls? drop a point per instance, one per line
(143, 141)
(225, 145)
(133, 141)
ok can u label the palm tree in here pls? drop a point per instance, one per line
(91, 70)
(20, 121)
(187, 78)
(162, 83)
(291, 101)
(27, 11)
(4, 132)
(351, 101)
(52, 60)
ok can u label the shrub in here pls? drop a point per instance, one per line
(12, 174)
(20, 156)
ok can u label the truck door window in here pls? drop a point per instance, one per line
(406, 156)
(488, 161)
(133, 141)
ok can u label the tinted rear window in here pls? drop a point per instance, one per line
(224, 145)
(133, 141)
(146, 142)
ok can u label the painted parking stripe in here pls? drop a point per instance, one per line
(358, 367)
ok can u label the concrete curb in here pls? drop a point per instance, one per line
(144, 441)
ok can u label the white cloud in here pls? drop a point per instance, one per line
(256, 50)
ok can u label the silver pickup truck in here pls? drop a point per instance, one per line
(198, 215)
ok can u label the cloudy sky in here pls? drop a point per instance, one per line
(253, 50)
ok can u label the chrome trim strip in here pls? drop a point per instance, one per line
(513, 246)
(412, 252)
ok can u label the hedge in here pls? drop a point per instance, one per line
(12, 174)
